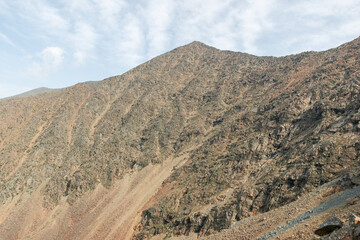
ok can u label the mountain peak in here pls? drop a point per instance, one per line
(197, 45)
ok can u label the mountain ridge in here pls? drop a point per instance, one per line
(190, 45)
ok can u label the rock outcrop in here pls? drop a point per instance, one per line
(331, 224)
(333, 229)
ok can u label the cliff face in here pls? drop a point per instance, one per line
(253, 133)
(280, 128)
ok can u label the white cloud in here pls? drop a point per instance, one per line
(116, 35)
(79, 57)
(10, 89)
(52, 56)
(129, 42)
(319, 8)
(208, 21)
(49, 60)
(327, 37)
(79, 7)
(158, 17)
(109, 12)
(314, 25)
(51, 18)
(3, 8)
(7, 40)
(42, 16)
(84, 40)
(254, 21)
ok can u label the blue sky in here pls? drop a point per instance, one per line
(59, 43)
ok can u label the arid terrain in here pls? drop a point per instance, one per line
(195, 143)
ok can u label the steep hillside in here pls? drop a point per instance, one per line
(208, 136)
(278, 129)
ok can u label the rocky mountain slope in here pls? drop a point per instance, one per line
(187, 143)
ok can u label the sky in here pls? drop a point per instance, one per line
(58, 43)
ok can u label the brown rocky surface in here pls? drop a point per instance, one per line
(190, 142)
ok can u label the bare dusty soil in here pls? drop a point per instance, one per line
(102, 214)
(113, 213)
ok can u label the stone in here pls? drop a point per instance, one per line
(345, 233)
(354, 220)
(331, 224)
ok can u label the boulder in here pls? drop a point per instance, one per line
(354, 220)
(331, 224)
(345, 233)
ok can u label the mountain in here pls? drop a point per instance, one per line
(189, 143)
(33, 92)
